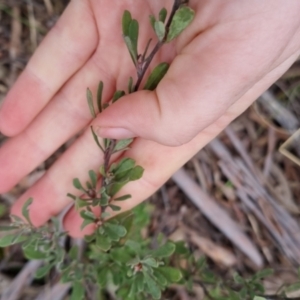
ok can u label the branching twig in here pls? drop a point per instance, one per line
(145, 63)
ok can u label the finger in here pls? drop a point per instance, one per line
(202, 82)
(64, 117)
(63, 51)
(50, 192)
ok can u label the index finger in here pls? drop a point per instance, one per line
(64, 50)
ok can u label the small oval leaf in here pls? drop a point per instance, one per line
(164, 251)
(89, 97)
(160, 30)
(126, 20)
(182, 19)
(133, 35)
(99, 96)
(162, 15)
(156, 76)
(25, 210)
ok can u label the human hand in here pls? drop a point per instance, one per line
(47, 105)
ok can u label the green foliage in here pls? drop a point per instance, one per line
(89, 97)
(130, 33)
(162, 15)
(159, 29)
(97, 140)
(122, 145)
(99, 96)
(182, 19)
(25, 210)
(155, 77)
(117, 95)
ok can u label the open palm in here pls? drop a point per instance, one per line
(219, 66)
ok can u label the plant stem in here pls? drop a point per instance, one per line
(144, 64)
(107, 156)
(141, 69)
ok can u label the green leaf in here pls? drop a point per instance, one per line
(153, 287)
(263, 273)
(77, 184)
(103, 242)
(170, 273)
(120, 255)
(122, 198)
(115, 188)
(293, 287)
(93, 177)
(181, 249)
(78, 291)
(79, 203)
(104, 199)
(133, 290)
(133, 33)
(136, 173)
(160, 29)
(89, 97)
(115, 207)
(123, 165)
(25, 210)
(122, 145)
(8, 228)
(139, 278)
(102, 277)
(32, 253)
(73, 253)
(162, 15)
(85, 223)
(105, 215)
(130, 85)
(89, 238)
(3, 210)
(131, 50)
(102, 171)
(11, 239)
(201, 263)
(115, 231)
(164, 251)
(87, 215)
(238, 279)
(136, 248)
(89, 185)
(181, 20)
(117, 95)
(156, 76)
(17, 219)
(71, 196)
(151, 262)
(96, 139)
(152, 21)
(43, 271)
(99, 96)
(126, 20)
(160, 278)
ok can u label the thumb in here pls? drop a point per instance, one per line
(142, 114)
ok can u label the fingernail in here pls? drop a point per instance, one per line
(115, 133)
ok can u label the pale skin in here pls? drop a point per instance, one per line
(231, 53)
